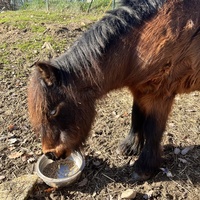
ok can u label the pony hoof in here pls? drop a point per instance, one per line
(142, 177)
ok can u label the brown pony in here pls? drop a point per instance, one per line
(150, 46)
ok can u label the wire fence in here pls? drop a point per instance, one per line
(11, 4)
(85, 5)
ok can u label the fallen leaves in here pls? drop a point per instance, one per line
(12, 127)
(49, 190)
(15, 155)
(26, 157)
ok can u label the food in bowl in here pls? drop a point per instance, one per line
(61, 168)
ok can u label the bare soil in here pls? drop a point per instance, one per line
(106, 174)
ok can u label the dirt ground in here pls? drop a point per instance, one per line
(106, 175)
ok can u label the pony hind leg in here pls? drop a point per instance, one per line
(134, 141)
(154, 125)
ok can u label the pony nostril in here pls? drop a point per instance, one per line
(50, 155)
(63, 156)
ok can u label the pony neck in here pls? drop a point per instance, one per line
(99, 58)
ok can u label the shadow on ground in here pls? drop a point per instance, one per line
(98, 174)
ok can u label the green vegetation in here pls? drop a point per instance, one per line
(24, 18)
(72, 5)
(34, 26)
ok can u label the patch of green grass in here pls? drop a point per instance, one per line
(3, 46)
(33, 46)
(4, 60)
(26, 45)
(30, 25)
(4, 53)
(38, 28)
(33, 19)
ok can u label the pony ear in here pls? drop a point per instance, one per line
(47, 72)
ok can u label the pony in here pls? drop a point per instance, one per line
(151, 47)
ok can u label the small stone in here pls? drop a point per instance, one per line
(182, 160)
(118, 152)
(167, 172)
(186, 150)
(114, 113)
(83, 182)
(18, 188)
(31, 160)
(96, 163)
(2, 177)
(98, 152)
(38, 152)
(13, 140)
(148, 195)
(145, 196)
(128, 194)
(177, 151)
(132, 161)
(94, 194)
(24, 158)
(117, 116)
(171, 124)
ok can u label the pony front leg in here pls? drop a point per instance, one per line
(134, 141)
(154, 125)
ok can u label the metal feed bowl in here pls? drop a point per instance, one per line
(43, 161)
